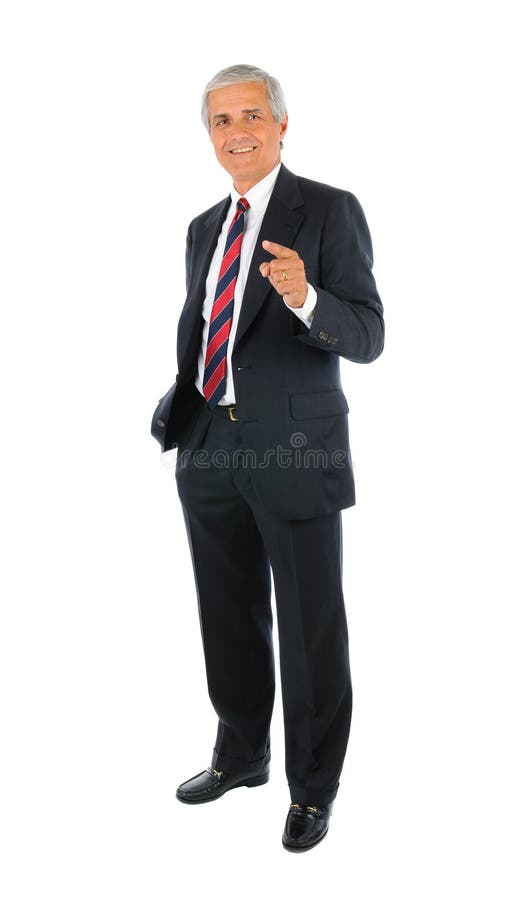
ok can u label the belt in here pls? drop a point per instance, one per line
(228, 412)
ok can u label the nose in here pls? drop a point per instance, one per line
(237, 134)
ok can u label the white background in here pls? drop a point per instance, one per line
(104, 700)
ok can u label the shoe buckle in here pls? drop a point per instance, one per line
(299, 806)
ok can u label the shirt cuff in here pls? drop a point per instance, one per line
(306, 312)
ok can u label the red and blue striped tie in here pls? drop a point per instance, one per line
(215, 365)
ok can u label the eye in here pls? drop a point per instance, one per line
(220, 122)
(253, 116)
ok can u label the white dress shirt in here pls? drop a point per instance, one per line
(258, 197)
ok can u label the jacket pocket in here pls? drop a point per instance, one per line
(318, 404)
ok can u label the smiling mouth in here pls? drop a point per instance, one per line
(239, 150)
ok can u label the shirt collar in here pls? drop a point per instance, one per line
(259, 195)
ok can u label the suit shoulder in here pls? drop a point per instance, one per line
(325, 193)
(203, 217)
(321, 197)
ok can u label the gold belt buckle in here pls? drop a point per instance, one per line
(232, 417)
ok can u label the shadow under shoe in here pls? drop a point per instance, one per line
(306, 826)
(211, 784)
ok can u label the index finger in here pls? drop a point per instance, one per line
(278, 250)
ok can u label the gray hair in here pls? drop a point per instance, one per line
(237, 74)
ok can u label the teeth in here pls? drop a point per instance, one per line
(242, 150)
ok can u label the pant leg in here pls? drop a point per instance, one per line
(306, 559)
(233, 583)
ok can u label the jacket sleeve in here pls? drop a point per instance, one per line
(348, 318)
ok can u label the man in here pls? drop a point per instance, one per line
(279, 286)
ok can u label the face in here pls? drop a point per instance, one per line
(244, 133)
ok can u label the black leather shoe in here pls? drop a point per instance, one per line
(210, 784)
(306, 826)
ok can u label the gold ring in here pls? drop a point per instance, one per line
(285, 276)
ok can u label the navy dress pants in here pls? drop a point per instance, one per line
(236, 546)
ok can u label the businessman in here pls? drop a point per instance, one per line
(279, 287)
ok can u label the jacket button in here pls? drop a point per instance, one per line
(323, 335)
(161, 423)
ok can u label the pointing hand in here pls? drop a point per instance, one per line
(286, 273)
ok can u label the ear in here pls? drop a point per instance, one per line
(283, 126)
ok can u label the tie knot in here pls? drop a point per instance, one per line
(243, 204)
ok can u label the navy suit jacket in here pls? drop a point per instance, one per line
(292, 409)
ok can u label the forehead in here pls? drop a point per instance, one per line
(244, 95)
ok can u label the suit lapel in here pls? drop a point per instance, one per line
(280, 224)
(191, 316)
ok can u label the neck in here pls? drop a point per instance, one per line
(243, 186)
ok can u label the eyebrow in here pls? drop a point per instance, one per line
(225, 115)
